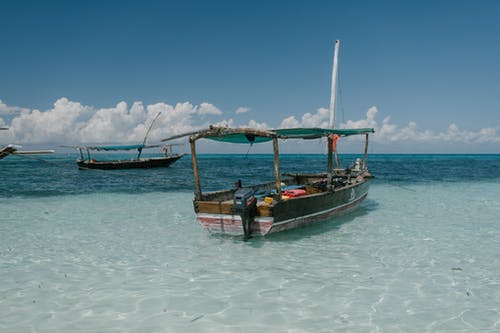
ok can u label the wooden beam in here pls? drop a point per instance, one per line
(195, 169)
(224, 131)
(277, 167)
(330, 160)
(366, 152)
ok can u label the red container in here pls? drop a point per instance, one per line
(294, 193)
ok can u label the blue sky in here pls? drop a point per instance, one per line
(426, 74)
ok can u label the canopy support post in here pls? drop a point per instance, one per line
(330, 161)
(195, 169)
(366, 152)
(337, 163)
(277, 167)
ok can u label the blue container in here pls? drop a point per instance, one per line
(243, 198)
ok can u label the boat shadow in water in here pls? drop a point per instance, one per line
(321, 227)
(317, 228)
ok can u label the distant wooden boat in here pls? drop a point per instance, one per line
(6, 151)
(14, 149)
(87, 161)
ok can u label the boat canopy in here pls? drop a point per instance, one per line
(315, 133)
(119, 147)
(250, 135)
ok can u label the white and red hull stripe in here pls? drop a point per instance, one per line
(232, 225)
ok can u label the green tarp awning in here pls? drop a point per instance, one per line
(290, 133)
(252, 135)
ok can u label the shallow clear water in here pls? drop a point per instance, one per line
(111, 252)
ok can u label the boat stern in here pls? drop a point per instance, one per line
(232, 225)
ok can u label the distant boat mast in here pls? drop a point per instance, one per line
(334, 84)
(146, 136)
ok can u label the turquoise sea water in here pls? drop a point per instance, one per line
(115, 251)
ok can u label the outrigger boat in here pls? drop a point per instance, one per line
(86, 161)
(285, 203)
(14, 150)
(11, 149)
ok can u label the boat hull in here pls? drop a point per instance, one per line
(6, 151)
(291, 213)
(145, 163)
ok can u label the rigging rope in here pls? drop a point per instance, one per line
(250, 147)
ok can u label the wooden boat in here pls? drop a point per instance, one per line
(14, 149)
(87, 161)
(285, 203)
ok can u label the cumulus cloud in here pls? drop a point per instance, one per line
(208, 109)
(250, 124)
(369, 121)
(484, 135)
(255, 124)
(290, 122)
(9, 110)
(320, 118)
(2, 123)
(73, 123)
(242, 109)
(387, 132)
(61, 123)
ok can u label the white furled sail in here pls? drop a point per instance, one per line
(334, 84)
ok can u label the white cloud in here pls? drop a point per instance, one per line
(250, 124)
(255, 124)
(73, 123)
(111, 124)
(242, 109)
(208, 109)
(289, 122)
(9, 110)
(225, 123)
(60, 124)
(484, 135)
(369, 121)
(319, 119)
(388, 132)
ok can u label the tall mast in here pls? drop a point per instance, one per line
(146, 136)
(334, 84)
(149, 128)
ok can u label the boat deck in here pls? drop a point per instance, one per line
(222, 202)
